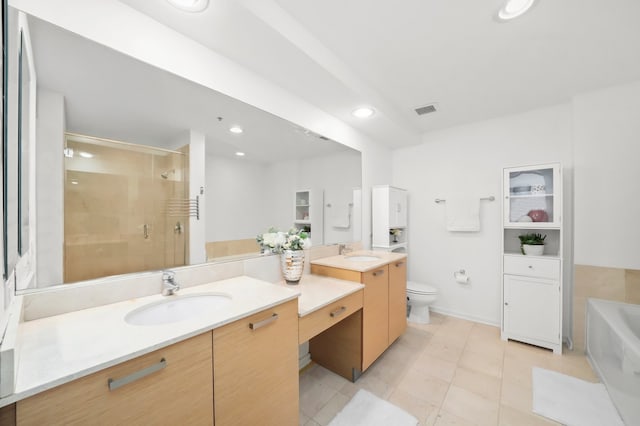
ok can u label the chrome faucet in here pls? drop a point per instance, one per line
(169, 284)
(344, 248)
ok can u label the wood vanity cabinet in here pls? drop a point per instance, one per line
(256, 369)
(384, 312)
(375, 315)
(169, 386)
(397, 299)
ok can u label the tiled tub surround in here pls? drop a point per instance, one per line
(59, 349)
(618, 285)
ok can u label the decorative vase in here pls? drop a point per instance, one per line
(292, 264)
(533, 249)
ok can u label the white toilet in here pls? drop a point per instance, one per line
(420, 296)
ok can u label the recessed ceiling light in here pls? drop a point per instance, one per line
(514, 8)
(240, 154)
(363, 112)
(236, 129)
(85, 154)
(190, 5)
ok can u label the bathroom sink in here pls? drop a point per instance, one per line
(362, 258)
(177, 308)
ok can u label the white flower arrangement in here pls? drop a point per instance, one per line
(274, 241)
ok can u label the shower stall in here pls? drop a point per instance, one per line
(118, 214)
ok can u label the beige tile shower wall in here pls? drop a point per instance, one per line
(620, 285)
(116, 193)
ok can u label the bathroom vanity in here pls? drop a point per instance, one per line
(383, 317)
(234, 365)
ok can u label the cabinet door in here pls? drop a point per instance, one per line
(176, 391)
(397, 299)
(375, 315)
(256, 369)
(397, 208)
(533, 194)
(532, 308)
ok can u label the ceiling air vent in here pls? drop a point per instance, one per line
(427, 109)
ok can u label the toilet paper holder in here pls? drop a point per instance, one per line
(460, 272)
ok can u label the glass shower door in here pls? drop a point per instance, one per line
(115, 199)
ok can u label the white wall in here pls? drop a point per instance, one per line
(238, 205)
(246, 198)
(469, 160)
(50, 187)
(607, 177)
(336, 176)
(197, 180)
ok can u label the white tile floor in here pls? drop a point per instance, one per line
(449, 372)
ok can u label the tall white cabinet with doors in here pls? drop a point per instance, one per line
(389, 217)
(308, 213)
(532, 285)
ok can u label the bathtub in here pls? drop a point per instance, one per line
(613, 348)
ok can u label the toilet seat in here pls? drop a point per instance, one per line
(420, 288)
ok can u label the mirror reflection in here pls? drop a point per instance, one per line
(138, 169)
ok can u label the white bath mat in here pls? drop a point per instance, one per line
(572, 401)
(366, 409)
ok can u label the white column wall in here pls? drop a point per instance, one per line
(50, 187)
(607, 177)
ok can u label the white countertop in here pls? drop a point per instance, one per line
(343, 262)
(62, 348)
(317, 292)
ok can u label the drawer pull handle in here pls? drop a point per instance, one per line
(399, 264)
(530, 267)
(118, 383)
(338, 311)
(380, 272)
(259, 324)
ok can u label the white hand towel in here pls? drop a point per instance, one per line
(339, 216)
(463, 214)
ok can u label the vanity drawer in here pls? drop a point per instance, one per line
(156, 388)
(532, 267)
(318, 321)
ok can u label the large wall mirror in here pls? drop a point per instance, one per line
(137, 169)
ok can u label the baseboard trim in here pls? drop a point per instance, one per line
(460, 315)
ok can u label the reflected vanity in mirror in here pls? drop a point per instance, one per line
(137, 169)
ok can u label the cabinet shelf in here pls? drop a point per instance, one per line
(530, 195)
(531, 225)
(544, 256)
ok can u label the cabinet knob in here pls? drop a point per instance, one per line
(506, 303)
(530, 266)
(380, 272)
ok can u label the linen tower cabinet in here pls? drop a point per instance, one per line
(532, 283)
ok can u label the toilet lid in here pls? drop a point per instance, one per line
(420, 288)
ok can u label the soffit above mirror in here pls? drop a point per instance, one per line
(118, 97)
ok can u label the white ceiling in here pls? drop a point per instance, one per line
(110, 95)
(396, 56)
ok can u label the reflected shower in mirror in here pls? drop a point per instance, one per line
(152, 176)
